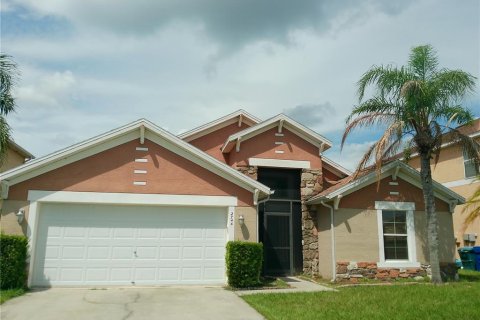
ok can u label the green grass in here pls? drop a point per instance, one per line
(459, 300)
(469, 275)
(10, 293)
(266, 283)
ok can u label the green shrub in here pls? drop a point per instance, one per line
(13, 254)
(244, 263)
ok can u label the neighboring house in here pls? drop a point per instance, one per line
(16, 155)
(138, 205)
(455, 171)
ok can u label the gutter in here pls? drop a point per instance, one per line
(332, 238)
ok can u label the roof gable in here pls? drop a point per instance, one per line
(335, 168)
(240, 116)
(407, 173)
(281, 121)
(140, 129)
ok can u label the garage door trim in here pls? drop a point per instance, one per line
(37, 197)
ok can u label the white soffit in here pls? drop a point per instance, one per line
(276, 163)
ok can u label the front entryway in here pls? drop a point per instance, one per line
(280, 227)
(91, 244)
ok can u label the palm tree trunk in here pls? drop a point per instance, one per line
(432, 220)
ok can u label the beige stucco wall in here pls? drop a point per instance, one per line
(12, 160)
(449, 168)
(446, 237)
(459, 216)
(8, 219)
(356, 237)
(324, 243)
(248, 231)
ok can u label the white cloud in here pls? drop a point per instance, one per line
(51, 90)
(351, 154)
(102, 77)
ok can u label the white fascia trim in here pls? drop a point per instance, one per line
(122, 135)
(73, 153)
(218, 124)
(407, 173)
(290, 124)
(131, 198)
(276, 163)
(336, 166)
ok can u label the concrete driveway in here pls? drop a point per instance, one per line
(129, 303)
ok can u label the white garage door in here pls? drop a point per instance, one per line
(79, 244)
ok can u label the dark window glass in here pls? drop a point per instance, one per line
(285, 182)
(471, 167)
(277, 206)
(395, 235)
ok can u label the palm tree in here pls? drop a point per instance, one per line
(473, 204)
(419, 107)
(8, 75)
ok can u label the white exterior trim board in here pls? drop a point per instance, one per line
(131, 198)
(218, 124)
(409, 208)
(276, 163)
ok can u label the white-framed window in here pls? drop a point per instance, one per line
(396, 234)
(471, 167)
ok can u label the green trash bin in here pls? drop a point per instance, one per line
(467, 255)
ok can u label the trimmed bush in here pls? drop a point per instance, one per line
(13, 255)
(244, 263)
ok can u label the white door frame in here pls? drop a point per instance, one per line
(36, 198)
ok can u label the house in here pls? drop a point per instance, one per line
(457, 172)
(16, 155)
(138, 205)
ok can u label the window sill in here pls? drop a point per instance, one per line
(398, 264)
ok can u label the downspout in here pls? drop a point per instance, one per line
(332, 237)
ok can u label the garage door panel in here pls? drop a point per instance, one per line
(118, 245)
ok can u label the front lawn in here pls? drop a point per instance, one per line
(9, 294)
(460, 300)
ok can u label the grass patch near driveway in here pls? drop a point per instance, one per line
(9, 294)
(460, 300)
(266, 283)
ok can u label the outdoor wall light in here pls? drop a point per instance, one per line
(20, 215)
(241, 220)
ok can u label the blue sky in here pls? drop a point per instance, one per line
(89, 66)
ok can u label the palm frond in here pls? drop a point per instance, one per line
(423, 60)
(472, 206)
(8, 77)
(4, 138)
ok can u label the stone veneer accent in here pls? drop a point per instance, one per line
(351, 271)
(249, 171)
(311, 184)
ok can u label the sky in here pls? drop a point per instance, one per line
(89, 66)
